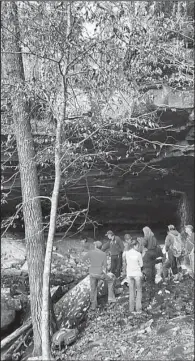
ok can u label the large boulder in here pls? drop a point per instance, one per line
(24, 268)
(9, 306)
(13, 252)
(71, 309)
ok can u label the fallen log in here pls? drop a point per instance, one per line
(15, 347)
(71, 309)
(27, 325)
(17, 333)
(6, 355)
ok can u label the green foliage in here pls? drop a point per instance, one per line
(115, 51)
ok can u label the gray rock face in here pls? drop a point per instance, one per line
(9, 306)
(13, 252)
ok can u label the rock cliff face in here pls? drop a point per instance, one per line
(134, 192)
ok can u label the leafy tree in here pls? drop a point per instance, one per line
(86, 68)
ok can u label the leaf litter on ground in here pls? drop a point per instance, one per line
(163, 331)
(112, 333)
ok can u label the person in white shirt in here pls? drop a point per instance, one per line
(133, 267)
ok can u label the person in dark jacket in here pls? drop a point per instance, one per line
(172, 262)
(116, 247)
(149, 258)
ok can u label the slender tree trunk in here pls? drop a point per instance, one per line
(28, 173)
(46, 346)
(46, 350)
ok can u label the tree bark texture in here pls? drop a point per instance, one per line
(46, 348)
(46, 343)
(47, 265)
(185, 209)
(28, 173)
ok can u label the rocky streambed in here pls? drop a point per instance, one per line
(161, 332)
(67, 270)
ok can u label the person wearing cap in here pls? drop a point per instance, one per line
(134, 265)
(116, 247)
(189, 246)
(97, 270)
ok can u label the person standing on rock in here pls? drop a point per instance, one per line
(133, 266)
(97, 271)
(116, 246)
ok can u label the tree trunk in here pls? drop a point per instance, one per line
(28, 173)
(46, 353)
(46, 347)
(185, 209)
(46, 344)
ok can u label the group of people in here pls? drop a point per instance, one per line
(136, 259)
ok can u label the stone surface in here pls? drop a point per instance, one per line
(24, 268)
(71, 309)
(10, 272)
(9, 306)
(13, 252)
